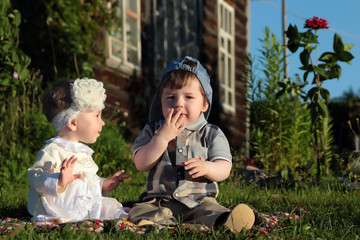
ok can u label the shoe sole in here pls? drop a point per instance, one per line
(240, 217)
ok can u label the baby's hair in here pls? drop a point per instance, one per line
(177, 79)
(57, 99)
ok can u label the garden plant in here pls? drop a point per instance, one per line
(321, 68)
(280, 127)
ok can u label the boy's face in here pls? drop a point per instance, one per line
(187, 99)
(89, 125)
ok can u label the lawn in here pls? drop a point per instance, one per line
(334, 209)
(333, 212)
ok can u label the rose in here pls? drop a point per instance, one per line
(323, 68)
(88, 94)
(316, 23)
(328, 68)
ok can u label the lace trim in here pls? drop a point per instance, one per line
(70, 145)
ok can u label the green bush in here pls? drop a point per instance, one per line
(111, 152)
(14, 74)
(280, 127)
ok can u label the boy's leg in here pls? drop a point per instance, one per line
(151, 211)
(212, 214)
(206, 213)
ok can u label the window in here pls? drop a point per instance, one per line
(176, 28)
(123, 42)
(226, 59)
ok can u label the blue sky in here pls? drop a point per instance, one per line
(343, 17)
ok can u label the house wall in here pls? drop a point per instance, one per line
(134, 93)
(233, 125)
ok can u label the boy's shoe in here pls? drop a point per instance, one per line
(240, 217)
(144, 222)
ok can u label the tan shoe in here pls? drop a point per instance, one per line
(144, 222)
(240, 217)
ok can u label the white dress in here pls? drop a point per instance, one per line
(81, 200)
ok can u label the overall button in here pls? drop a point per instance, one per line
(180, 150)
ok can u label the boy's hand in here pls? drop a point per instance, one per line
(216, 170)
(66, 170)
(112, 182)
(172, 126)
(196, 167)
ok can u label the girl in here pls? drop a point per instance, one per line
(64, 186)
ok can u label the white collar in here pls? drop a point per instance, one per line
(70, 145)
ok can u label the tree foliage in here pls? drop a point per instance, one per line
(14, 73)
(64, 37)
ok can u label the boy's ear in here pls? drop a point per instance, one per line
(72, 125)
(205, 106)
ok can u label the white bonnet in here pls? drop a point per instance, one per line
(87, 95)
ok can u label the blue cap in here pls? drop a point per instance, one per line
(201, 74)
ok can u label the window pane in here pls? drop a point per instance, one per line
(226, 20)
(118, 28)
(230, 98)
(222, 95)
(116, 49)
(229, 67)
(159, 66)
(170, 11)
(222, 68)
(183, 29)
(222, 16)
(160, 30)
(192, 49)
(229, 46)
(230, 23)
(131, 35)
(132, 56)
(131, 5)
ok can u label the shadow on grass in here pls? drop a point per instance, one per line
(19, 212)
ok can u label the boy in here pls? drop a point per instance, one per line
(64, 186)
(185, 155)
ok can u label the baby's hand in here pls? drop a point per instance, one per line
(196, 167)
(172, 126)
(66, 170)
(112, 182)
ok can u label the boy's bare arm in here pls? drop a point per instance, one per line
(217, 170)
(147, 156)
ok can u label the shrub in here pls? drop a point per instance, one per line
(280, 127)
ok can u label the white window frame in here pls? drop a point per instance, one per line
(226, 46)
(122, 63)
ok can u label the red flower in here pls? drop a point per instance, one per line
(316, 23)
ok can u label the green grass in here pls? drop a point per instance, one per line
(335, 211)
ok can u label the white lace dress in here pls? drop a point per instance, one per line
(81, 200)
